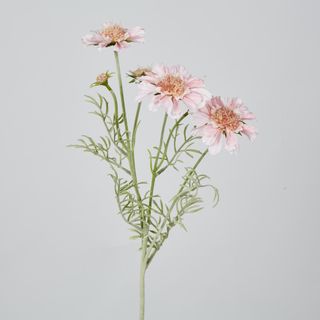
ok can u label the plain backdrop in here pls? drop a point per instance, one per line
(65, 254)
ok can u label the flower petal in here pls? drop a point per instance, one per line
(200, 118)
(175, 111)
(216, 147)
(136, 34)
(94, 39)
(192, 100)
(231, 142)
(249, 131)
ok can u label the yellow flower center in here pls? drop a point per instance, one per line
(172, 85)
(115, 32)
(226, 119)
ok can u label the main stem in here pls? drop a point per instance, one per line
(143, 267)
(131, 160)
(144, 258)
(144, 228)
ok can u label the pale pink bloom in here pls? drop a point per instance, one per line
(168, 86)
(220, 121)
(114, 35)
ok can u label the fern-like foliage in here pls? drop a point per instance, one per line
(149, 217)
(127, 203)
(179, 143)
(109, 147)
(187, 200)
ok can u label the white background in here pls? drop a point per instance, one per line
(65, 253)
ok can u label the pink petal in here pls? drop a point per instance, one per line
(248, 116)
(161, 101)
(154, 104)
(249, 131)
(234, 103)
(136, 34)
(217, 102)
(200, 117)
(231, 142)
(195, 83)
(120, 45)
(192, 100)
(159, 70)
(210, 134)
(145, 89)
(94, 39)
(175, 111)
(217, 145)
(203, 92)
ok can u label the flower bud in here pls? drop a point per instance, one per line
(102, 79)
(136, 74)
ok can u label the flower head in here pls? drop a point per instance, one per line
(102, 79)
(114, 35)
(136, 74)
(168, 86)
(222, 120)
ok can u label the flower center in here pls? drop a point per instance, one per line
(226, 119)
(115, 32)
(172, 85)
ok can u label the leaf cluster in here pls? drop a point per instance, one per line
(150, 218)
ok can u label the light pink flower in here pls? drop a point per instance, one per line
(220, 121)
(114, 35)
(168, 86)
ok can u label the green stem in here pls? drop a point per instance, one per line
(143, 267)
(150, 255)
(155, 166)
(166, 145)
(143, 264)
(133, 142)
(193, 169)
(131, 160)
(135, 125)
(116, 115)
(129, 149)
(116, 55)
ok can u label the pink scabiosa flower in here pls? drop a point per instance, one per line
(114, 35)
(220, 121)
(168, 86)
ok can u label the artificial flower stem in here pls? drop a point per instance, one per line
(155, 166)
(116, 115)
(150, 255)
(143, 265)
(144, 227)
(129, 149)
(135, 125)
(116, 55)
(193, 169)
(166, 145)
(131, 159)
(133, 142)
